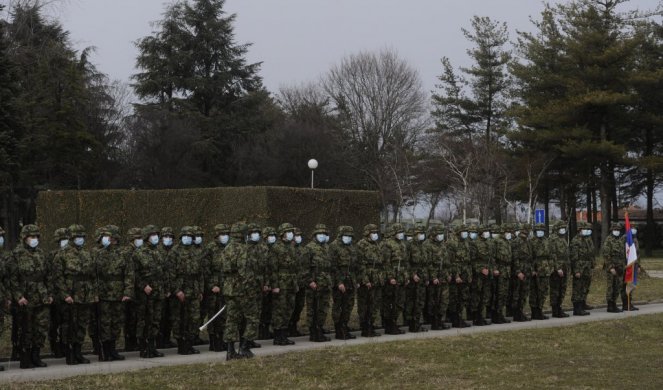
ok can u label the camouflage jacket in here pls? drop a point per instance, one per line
(396, 262)
(582, 254)
(242, 273)
(418, 262)
(613, 253)
(459, 259)
(150, 269)
(29, 276)
(344, 263)
(168, 256)
(559, 251)
(202, 256)
(5, 256)
(187, 274)
(302, 264)
(265, 267)
(215, 265)
(481, 254)
(285, 266)
(521, 250)
(319, 265)
(439, 264)
(542, 256)
(75, 275)
(115, 274)
(370, 266)
(503, 255)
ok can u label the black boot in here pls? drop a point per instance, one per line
(585, 306)
(104, 352)
(25, 358)
(245, 351)
(537, 314)
(190, 348)
(151, 346)
(479, 320)
(612, 307)
(560, 312)
(519, 316)
(372, 332)
(293, 331)
(144, 351)
(364, 329)
(96, 346)
(69, 357)
(347, 332)
(339, 332)
(251, 344)
(182, 348)
(231, 354)
(212, 342)
(509, 311)
(16, 353)
(578, 310)
(114, 355)
(36, 359)
(320, 335)
(79, 355)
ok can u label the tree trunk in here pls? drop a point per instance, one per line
(650, 239)
(604, 191)
(588, 218)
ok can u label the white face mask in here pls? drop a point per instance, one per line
(223, 239)
(508, 236)
(473, 235)
(187, 240)
(167, 241)
(154, 240)
(374, 236)
(463, 235)
(138, 242)
(271, 239)
(64, 243)
(517, 233)
(347, 240)
(255, 236)
(198, 240)
(33, 242)
(321, 238)
(105, 241)
(79, 241)
(289, 236)
(400, 236)
(634, 231)
(616, 233)
(485, 235)
(540, 233)
(409, 238)
(588, 232)
(562, 231)
(439, 237)
(421, 236)
(298, 239)
(2, 241)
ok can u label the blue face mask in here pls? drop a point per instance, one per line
(79, 241)
(187, 240)
(289, 236)
(473, 235)
(271, 239)
(64, 243)
(2, 241)
(223, 239)
(255, 237)
(167, 241)
(105, 241)
(198, 240)
(347, 240)
(321, 238)
(154, 240)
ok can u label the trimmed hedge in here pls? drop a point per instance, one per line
(206, 207)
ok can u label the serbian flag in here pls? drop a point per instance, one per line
(631, 275)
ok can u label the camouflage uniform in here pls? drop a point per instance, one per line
(115, 283)
(29, 279)
(415, 290)
(370, 275)
(130, 315)
(319, 283)
(559, 251)
(343, 256)
(214, 281)
(613, 254)
(170, 303)
(541, 269)
(439, 271)
(395, 257)
(521, 250)
(243, 281)
(461, 277)
(187, 285)
(627, 299)
(501, 275)
(57, 344)
(203, 259)
(5, 296)
(482, 263)
(300, 296)
(284, 282)
(266, 272)
(582, 254)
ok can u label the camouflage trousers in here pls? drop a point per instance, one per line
(130, 319)
(32, 324)
(214, 303)
(266, 310)
(300, 300)
(369, 303)
(438, 300)
(520, 293)
(393, 299)
(169, 306)
(557, 288)
(499, 292)
(75, 321)
(283, 304)
(538, 290)
(242, 314)
(342, 305)
(480, 294)
(148, 316)
(55, 321)
(204, 306)
(317, 306)
(458, 297)
(110, 320)
(186, 319)
(580, 287)
(415, 301)
(614, 285)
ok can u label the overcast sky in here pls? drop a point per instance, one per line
(299, 40)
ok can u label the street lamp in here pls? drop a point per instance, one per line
(312, 165)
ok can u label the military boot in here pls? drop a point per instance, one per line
(626, 307)
(212, 342)
(181, 347)
(250, 343)
(578, 310)
(36, 358)
(245, 351)
(16, 353)
(104, 352)
(509, 311)
(56, 348)
(190, 348)
(348, 332)
(312, 334)
(320, 335)
(339, 331)
(537, 314)
(585, 306)
(25, 358)
(293, 331)
(479, 320)
(561, 312)
(435, 323)
(151, 346)
(284, 338)
(144, 351)
(372, 332)
(519, 316)
(231, 354)
(364, 329)
(69, 355)
(612, 307)
(79, 355)
(113, 351)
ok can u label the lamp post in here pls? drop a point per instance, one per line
(312, 165)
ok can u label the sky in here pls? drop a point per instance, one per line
(299, 40)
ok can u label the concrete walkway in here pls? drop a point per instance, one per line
(57, 369)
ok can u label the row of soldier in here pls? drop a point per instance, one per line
(154, 285)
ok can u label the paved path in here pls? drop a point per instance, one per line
(57, 369)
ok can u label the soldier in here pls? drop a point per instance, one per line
(170, 303)
(74, 276)
(300, 296)
(5, 299)
(319, 283)
(29, 282)
(203, 259)
(541, 270)
(415, 290)
(521, 250)
(627, 299)
(511, 233)
(269, 233)
(343, 256)
(614, 258)
(214, 286)
(284, 283)
(501, 273)
(370, 274)
(135, 242)
(582, 254)
(394, 255)
(243, 281)
(149, 273)
(115, 283)
(559, 251)
(187, 286)
(461, 277)
(481, 258)
(439, 269)
(61, 238)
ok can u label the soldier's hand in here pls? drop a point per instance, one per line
(276, 290)
(125, 299)
(613, 271)
(313, 285)
(560, 273)
(22, 301)
(148, 289)
(436, 281)
(448, 278)
(496, 272)
(485, 272)
(393, 282)
(180, 296)
(216, 289)
(49, 300)
(459, 280)
(521, 276)
(341, 288)
(200, 297)
(69, 299)
(369, 285)
(416, 278)
(577, 274)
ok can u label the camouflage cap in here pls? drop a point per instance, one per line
(237, 230)
(221, 228)
(167, 231)
(285, 227)
(268, 230)
(30, 230)
(187, 231)
(253, 227)
(497, 229)
(76, 230)
(436, 229)
(371, 228)
(615, 226)
(61, 234)
(150, 230)
(346, 231)
(298, 231)
(419, 228)
(507, 227)
(114, 231)
(473, 228)
(525, 227)
(540, 226)
(197, 230)
(484, 228)
(102, 231)
(134, 232)
(394, 229)
(409, 232)
(320, 229)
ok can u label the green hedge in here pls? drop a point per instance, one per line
(205, 207)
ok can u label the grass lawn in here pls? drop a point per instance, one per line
(583, 356)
